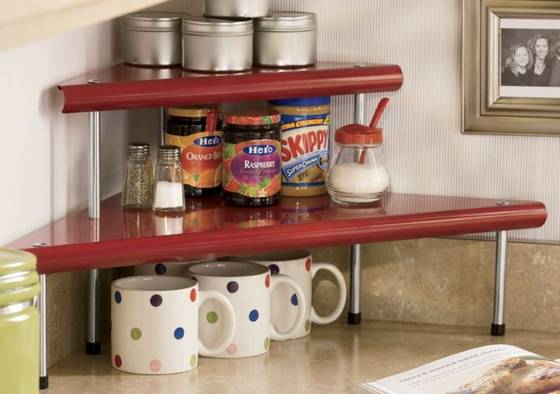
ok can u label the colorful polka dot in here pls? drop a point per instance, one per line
(308, 264)
(254, 315)
(179, 333)
(136, 333)
(193, 295)
(232, 286)
(156, 300)
(212, 317)
(267, 281)
(118, 361)
(267, 343)
(193, 360)
(307, 325)
(155, 365)
(118, 297)
(231, 349)
(274, 269)
(160, 269)
(294, 300)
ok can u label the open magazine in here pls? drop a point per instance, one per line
(494, 369)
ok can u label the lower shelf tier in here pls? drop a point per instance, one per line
(334, 359)
(208, 228)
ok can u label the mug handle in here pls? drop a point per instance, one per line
(274, 281)
(315, 318)
(230, 330)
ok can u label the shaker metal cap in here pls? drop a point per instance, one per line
(153, 21)
(287, 21)
(215, 26)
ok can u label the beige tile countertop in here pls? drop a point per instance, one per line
(334, 359)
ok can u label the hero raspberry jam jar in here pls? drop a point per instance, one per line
(251, 158)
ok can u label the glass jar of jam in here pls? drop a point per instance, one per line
(251, 158)
(195, 131)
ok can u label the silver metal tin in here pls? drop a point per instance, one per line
(217, 45)
(237, 8)
(286, 39)
(152, 39)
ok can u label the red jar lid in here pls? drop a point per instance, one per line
(252, 117)
(357, 134)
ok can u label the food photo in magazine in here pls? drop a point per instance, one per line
(494, 369)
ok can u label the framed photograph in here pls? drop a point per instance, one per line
(511, 67)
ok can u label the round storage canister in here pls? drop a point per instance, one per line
(217, 45)
(286, 39)
(251, 158)
(236, 8)
(195, 131)
(19, 322)
(305, 145)
(152, 39)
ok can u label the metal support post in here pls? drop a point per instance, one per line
(498, 324)
(43, 374)
(93, 345)
(354, 314)
(162, 126)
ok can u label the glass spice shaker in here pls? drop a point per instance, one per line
(169, 196)
(358, 175)
(138, 180)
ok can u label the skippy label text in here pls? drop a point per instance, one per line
(304, 149)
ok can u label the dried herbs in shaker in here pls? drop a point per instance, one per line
(138, 181)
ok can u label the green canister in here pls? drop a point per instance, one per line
(19, 323)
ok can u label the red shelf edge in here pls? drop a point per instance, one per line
(116, 95)
(109, 254)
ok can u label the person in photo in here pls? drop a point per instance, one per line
(517, 66)
(541, 70)
(555, 65)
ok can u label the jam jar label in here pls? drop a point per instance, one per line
(252, 168)
(305, 153)
(201, 156)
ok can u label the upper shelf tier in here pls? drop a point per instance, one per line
(208, 228)
(125, 87)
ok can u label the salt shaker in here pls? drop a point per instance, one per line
(168, 193)
(138, 180)
(358, 174)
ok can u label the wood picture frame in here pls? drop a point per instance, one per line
(496, 98)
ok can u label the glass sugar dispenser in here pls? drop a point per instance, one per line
(168, 195)
(358, 174)
(138, 179)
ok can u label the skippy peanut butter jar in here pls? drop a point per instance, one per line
(305, 150)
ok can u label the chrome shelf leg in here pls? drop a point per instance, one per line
(354, 314)
(43, 374)
(162, 126)
(498, 324)
(93, 345)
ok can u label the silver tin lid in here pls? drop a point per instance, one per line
(200, 25)
(153, 21)
(287, 21)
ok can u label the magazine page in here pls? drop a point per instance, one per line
(497, 369)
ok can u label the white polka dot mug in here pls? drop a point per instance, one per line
(298, 265)
(155, 328)
(249, 287)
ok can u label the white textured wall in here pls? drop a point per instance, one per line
(425, 149)
(43, 160)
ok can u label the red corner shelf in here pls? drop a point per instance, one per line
(208, 228)
(124, 87)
